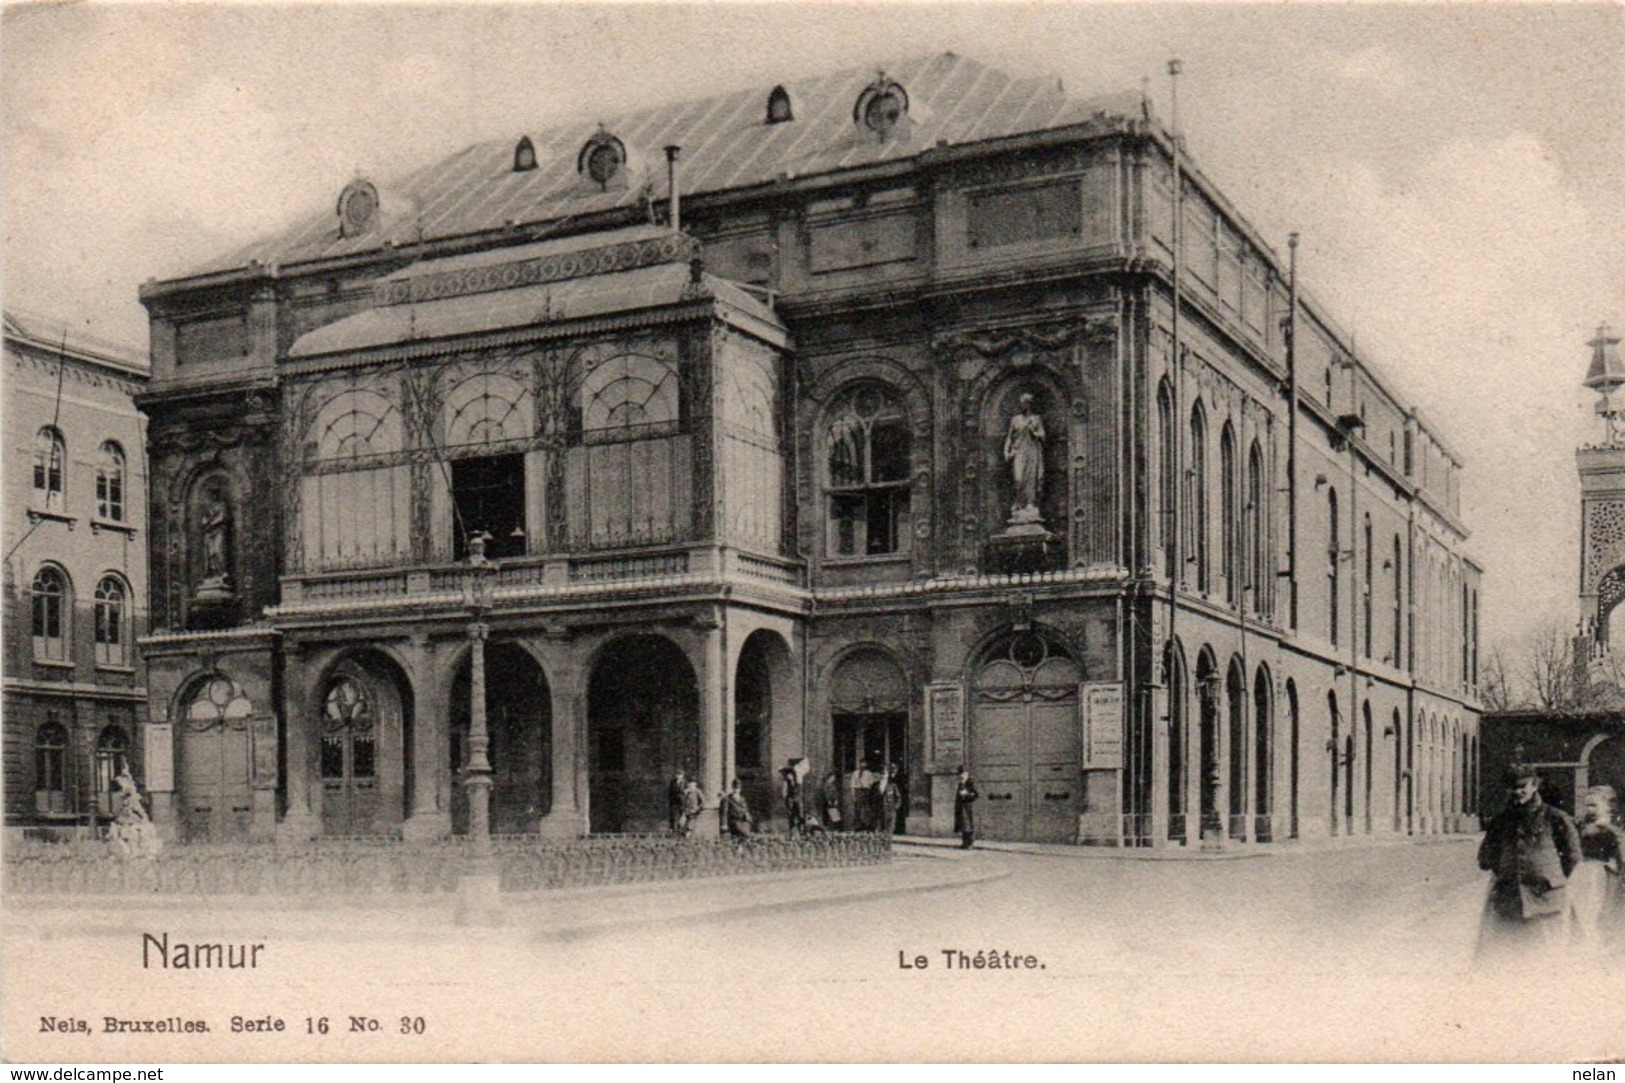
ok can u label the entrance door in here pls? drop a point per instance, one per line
(349, 759)
(1024, 741)
(217, 788)
(873, 740)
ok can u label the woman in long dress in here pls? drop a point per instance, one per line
(1595, 886)
(1024, 451)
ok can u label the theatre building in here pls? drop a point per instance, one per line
(845, 419)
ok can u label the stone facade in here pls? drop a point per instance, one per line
(75, 572)
(888, 456)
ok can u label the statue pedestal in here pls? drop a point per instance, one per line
(1023, 548)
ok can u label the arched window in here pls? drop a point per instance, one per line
(1365, 589)
(1198, 490)
(630, 397)
(867, 451)
(1399, 600)
(110, 483)
(1253, 515)
(112, 633)
(1167, 475)
(778, 106)
(1332, 568)
(112, 754)
(218, 699)
(50, 464)
(51, 605)
(524, 155)
(349, 733)
(51, 768)
(1229, 520)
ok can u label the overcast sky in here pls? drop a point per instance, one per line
(1457, 172)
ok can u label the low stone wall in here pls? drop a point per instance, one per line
(385, 867)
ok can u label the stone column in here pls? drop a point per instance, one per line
(300, 823)
(567, 818)
(1157, 708)
(428, 819)
(714, 712)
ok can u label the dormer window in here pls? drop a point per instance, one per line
(602, 158)
(778, 106)
(882, 104)
(358, 208)
(524, 155)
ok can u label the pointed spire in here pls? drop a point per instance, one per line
(1607, 371)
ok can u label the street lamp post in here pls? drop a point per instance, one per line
(479, 897)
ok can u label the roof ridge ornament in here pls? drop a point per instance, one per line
(357, 207)
(881, 106)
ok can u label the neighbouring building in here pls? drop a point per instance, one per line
(75, 539)
(1583, 744)
(847, 419)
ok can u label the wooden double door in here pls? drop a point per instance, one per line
(1025, 746)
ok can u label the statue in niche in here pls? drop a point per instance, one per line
(1024, 451)
(214, 543)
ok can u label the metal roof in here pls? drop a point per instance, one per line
(726, 144)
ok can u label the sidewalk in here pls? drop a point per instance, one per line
(1230, 851)
(564, 914)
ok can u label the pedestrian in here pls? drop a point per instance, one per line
(693, 805)
(1596, 884)
(790, 785)
(1529, 848)
(737, 813)
(829, 802)
(891, 799)
(965, 796)
(863, 805)
(674, 801)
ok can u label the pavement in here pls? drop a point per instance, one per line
(555, 915)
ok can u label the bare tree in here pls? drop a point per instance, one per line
(1546, 665)
(1494, 681)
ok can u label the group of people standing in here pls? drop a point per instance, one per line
(1554, 883)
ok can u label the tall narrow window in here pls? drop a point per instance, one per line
(1332, 577)
(49, 614)
(51, 768)
(110, 483)
(867, 445)
(1365, 590)
(50, 463)
(1229, 533)
(1167, 478)
(348, 734)
(112, 637)
(1198, 491)
(1399, 599)
(1257, 556)
(112, 755)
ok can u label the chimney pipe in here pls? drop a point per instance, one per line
(671, 187)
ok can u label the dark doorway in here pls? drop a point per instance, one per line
(643, 719)
(489, 493)
(1207, 694)
(874, 740)
(519, 719)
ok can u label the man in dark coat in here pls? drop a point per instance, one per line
(1529, 848)
(965, 796)
(674, 803)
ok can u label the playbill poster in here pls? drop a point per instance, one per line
(937, 532)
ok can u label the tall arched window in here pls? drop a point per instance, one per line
(51, 605)
(1399, 600)
(51, 768)
(867, 452)
(112, 632)
(50, 465)
(1167, 476)
(1365, 589)
(112, 754)
(1332, 567)
(1198, 489)
(1257, 555)
(1229, 520)
(110, 483)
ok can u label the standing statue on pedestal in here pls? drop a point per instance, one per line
(1024, 451)
(214, 545)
